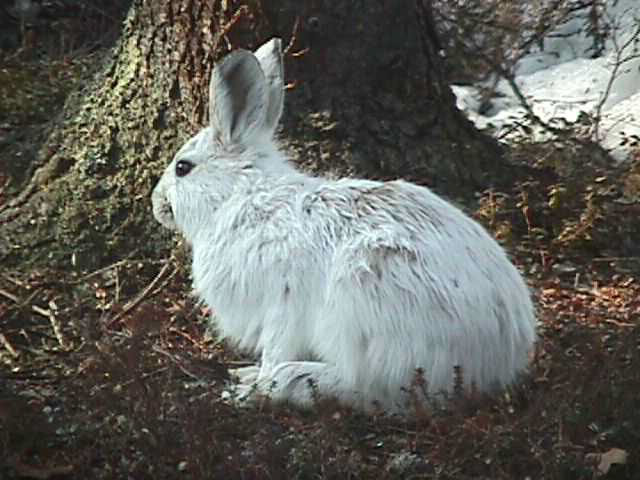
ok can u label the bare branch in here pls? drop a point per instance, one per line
(622, 57)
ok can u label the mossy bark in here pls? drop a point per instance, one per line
(365, 97)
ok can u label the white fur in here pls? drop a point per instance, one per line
(348, 285)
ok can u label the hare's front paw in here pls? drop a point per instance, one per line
(248, 390)
(245, 375)
(244, 395)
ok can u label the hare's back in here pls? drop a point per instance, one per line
(420, 282)
(404, 216)
(404, 246)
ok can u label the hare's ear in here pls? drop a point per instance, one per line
(237, 98)
(270, 57)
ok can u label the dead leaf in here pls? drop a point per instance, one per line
(605, 460)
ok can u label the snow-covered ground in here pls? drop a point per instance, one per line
(563, 83)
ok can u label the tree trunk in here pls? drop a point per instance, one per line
(366, 96)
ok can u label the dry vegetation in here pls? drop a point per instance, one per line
(114, 374)
(91, 390)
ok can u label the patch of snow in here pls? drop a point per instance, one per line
(622, 121)
(562, 84)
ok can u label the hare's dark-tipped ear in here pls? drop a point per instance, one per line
(270, 57)
(237, 97)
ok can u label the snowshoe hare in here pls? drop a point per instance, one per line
(346, 288)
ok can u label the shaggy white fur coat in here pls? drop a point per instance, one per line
(344, 287)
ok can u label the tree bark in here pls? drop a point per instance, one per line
(366, 96)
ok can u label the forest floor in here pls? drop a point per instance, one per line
(113, 373)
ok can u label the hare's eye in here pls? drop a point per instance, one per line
(183, 167)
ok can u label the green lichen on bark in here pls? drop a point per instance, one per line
(89, 199)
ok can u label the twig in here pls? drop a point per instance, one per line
(12, 351)
(55, 324)
(115, 265)
(242, 10)
(15, 298)
(171, 357)
(294, 37)
(143, 376)
(39, 473)
(195, 342)
(524, 103)
(141, 296)
(615, 259)
(15, 281)
(301, 53)
(10, 296)
(619, 324)
(617, 64)
(101, 270)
